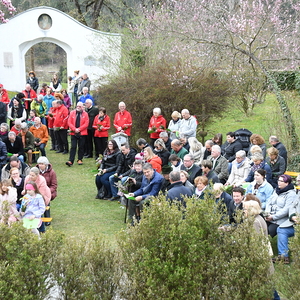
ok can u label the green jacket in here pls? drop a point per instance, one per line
(39, 107)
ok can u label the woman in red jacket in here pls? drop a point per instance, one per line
(102, 125)
(157, 124)
(153, 159)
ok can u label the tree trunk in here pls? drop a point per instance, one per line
(32, 58)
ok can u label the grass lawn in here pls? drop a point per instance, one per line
(75, 211)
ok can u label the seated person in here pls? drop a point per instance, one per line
(108, 167)
(260, 187)
(276, 163)
(236, 204)
(221, 196)
(14, 146)
(190, 167)
(125, 164)
(206, 167)
(153, 159)
(28, 141)
(40, 133)
(142, 144)
(196, 149)
(178, 149)
(177, 191)
(184, 176)
(4, 131)
(201, 183)
(165, 137)
(176, 162)
(3, 154)
(184, 142)
(166, 170)
(14, 162)
(219, 163)
(151, 185)
(240, 169)
(32, 116)
(259, 163)
(17, 127)
(161, 151)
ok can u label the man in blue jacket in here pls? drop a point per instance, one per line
(151, 184)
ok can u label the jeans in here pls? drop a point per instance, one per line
(104, 180)
(112, 181)
(283, 235)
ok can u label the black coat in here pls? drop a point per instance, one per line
(282, 151)
(230, 149)
(34, 83)
(92, 112)
(164, 155)
(126, 161)
(110, 162)
(16, 148)
(3, 112)
(193, 172)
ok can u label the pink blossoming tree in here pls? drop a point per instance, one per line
(261, 34)
(7, 7)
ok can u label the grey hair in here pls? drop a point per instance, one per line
(174, 176)
(157, 109)
(257, 156)
(40, 97)
(217, 148)
(35, 170)
(43, 160)
(163, 134)
(147, 166)
(241, 153)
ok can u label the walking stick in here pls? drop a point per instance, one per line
(126, 210)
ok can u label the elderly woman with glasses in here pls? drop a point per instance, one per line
(279, 204)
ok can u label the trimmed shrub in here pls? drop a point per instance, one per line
(171, 255)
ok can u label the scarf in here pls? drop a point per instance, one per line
(259, 166)
(287, 188)
(238, 165)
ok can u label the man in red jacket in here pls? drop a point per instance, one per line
(30, 94)
(123, 120)
(60, 127)
(78, 123)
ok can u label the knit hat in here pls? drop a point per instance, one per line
(166, 169)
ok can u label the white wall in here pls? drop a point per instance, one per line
(79, 41)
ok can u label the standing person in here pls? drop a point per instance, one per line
(30, 95)
(49, 174)
(4, 95)
(75, 78)
(33, 81)
(71, 86)
(50, 121)
(33, 204)
(188, 125)
(44, 88)
(86, 95)
(66, 99)
(17, 111)
(40, 107)
(92, 113)
(60, 127)
(85, 82)
(101, 125)
(48, 98)
(78, 123)
(40, 133)
(174, 124)
(123, 120)
(55, 84)
(157, 124)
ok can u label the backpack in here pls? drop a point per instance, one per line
(243, 135)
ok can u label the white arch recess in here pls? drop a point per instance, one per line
(90, 51)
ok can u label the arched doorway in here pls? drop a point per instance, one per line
(87, 50)
(45, 59)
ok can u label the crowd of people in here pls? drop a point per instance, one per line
(174, 161)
